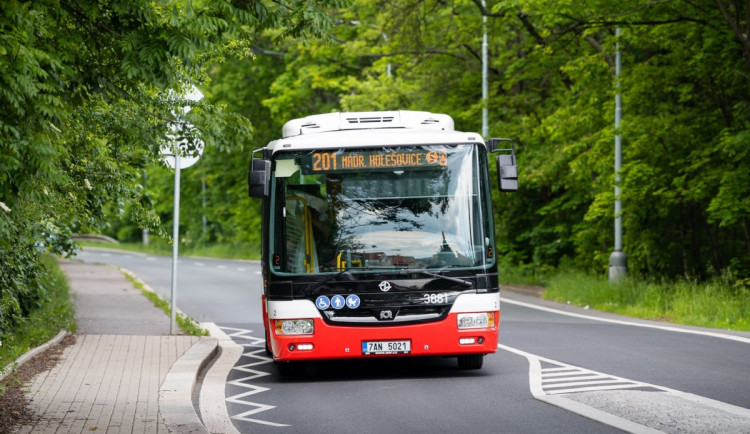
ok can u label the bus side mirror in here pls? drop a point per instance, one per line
(507, 172)
(259, 178)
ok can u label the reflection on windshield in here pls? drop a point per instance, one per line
(326, 219)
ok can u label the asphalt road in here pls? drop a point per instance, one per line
(646, 368)
(216, 290)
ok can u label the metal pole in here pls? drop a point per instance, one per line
(204, 221)
(388, 67)
(175, 240)
(618, 149)
(618, 264)
(144, 233)
(485, 88)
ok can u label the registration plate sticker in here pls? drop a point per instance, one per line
(386, 347)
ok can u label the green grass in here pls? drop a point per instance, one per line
(185, 323)
(226, 251)
(55, 314)
(715, 304)
(522, 275)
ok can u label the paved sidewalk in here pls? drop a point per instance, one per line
(124, 373)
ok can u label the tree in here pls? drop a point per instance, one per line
(87, 103)
(552, 84)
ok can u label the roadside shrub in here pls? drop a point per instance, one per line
(21, 284)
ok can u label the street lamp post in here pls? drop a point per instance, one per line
(618, 261)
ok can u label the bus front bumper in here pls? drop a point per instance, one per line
(441, 338)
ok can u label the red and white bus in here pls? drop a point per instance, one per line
(378, 238)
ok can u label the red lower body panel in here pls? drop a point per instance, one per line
(339, 342)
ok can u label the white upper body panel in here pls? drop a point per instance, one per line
(369, 129)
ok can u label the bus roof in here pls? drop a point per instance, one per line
(368, 129)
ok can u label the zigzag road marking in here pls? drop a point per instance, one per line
(243, 334)
(257, 356)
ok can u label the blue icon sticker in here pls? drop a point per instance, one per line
(322, 302)
(338, 301)
(352, 301)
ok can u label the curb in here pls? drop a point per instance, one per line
(212, 398)
(31, 353)
(176, 392)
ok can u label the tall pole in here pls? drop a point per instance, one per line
(175, 239)
(485, 87)
(204, 221)
(618, 264)
(388, 67)
(144, 232)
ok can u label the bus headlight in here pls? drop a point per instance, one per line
(476, 320)
(294, 327)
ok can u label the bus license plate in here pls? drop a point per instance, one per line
(386, 347)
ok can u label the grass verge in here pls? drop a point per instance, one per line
(56, 313)
(226, 251)
(714, 304)
(183, 322)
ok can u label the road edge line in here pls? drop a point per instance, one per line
(624, 322)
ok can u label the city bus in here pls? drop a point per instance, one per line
(378, 238)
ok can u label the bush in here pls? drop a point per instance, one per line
(22, 285)
(50, 312)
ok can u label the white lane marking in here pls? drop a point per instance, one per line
(552, 383)
(150, 258)
(584, 377)
(199, 264)
(258, 273)
(241, 269)
(258, 356)
(221, 267)
(563, 378)
(628, 323)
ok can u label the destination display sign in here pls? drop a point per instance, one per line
(368, 160)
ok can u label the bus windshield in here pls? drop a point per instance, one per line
(389, 208)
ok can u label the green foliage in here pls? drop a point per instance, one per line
(88, 91)
(685, 88)
(684, 84)
(50, 313)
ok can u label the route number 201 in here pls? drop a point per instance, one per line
(324, 161)
(435, 298)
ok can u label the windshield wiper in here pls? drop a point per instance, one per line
(313, 286)
(430, 273)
